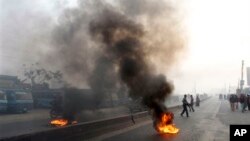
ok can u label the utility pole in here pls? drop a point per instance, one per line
(238, 92)
(242, 75)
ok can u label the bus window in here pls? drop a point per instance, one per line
(23, 96)
(2, 96)
(11, 97)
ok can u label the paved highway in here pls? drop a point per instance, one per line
(17, 124)
(38, 120)
(209, 122)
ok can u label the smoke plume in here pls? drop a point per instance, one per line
(75, 52)
(123, 45)
(104, 45)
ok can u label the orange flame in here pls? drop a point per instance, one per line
(59, 122)
(165, 124)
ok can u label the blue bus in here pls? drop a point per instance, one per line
(19, 101)
(44, 98)
(3, 102)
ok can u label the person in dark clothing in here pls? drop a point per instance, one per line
(184, 104)
(243, 102)
(236, 100)
(197, 101)
(231, 100)
(248, 102)
(191, 103)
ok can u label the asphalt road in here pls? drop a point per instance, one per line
(17, 124)
(38, 120)
(209, 122)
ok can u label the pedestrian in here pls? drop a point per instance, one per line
(184, 105)
(236, 101)
(248, 102)
(197, 100)
(231, 100)
(188, 101)
(191, 103)
(243, 102)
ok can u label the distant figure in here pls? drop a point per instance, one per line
(197, 101)
(184, 104)
(188, 101)
(236, 100)
(243, 102)
(248, 102)
(231, 100)
(221, 97)
(225, 97)
(192, 103)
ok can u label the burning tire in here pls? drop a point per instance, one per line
(164, 124)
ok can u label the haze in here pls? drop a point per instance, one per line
(217, 33)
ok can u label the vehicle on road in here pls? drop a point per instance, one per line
(57, 107)
(3, 102)
(19, 101)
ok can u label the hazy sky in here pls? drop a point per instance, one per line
(218, 39)
(217, 31)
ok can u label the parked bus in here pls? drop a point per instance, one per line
(44, 98)
(19, 101)
(3, 102)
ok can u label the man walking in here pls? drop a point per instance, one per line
(192, 103)
(236, 99)
(184, 104)
(243, 102)
(231, 100)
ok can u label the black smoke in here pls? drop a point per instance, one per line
(105, 46)
(122, 43)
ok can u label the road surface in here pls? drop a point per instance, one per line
(16, 124)
(38, 120)
(209, 122)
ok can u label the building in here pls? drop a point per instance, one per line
(8, 82)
